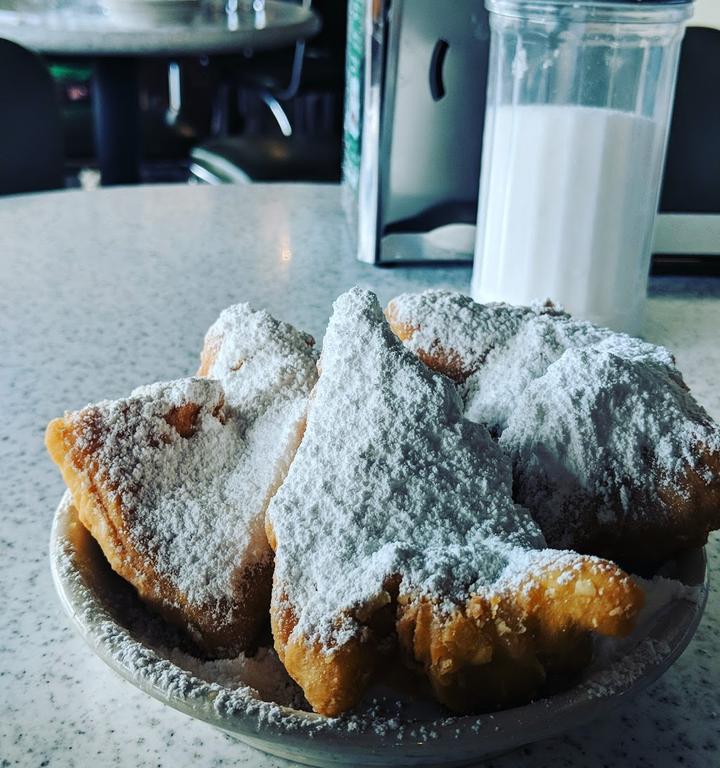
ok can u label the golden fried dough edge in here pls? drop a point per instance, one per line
(495, 652)
(487, 654)
(333, 679)
(208, 355)
(695, 507)
(437, 358)
(101, 513)
(679, 518)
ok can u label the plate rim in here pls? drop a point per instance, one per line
(464, 737)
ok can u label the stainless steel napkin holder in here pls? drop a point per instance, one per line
(422, 121)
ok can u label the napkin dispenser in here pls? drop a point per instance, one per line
(425, 73)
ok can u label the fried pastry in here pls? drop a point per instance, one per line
(268, 369)
(617, 459)
(159, 480)
(491, 394)
(613, 456)
(450, 332)
(260, 361)
(395, 524)
(173, 482)
(499, 348)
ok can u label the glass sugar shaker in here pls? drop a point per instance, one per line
(578, 106)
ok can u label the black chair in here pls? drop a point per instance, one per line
(314, 66)
(692, 168)
(303, 88)
(31, 147)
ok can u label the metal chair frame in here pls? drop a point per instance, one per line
(273, 99)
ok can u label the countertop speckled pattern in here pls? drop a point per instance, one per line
(102, 291)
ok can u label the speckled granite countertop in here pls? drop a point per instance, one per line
(102, 291)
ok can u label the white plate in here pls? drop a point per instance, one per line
(117, 627)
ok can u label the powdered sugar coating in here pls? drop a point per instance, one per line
(198, 502)
(608, 446)
(609, 434)
(193, 502)
(491, 393)
(389, 479)
(260, 360)
(454, 325)
(503, 347)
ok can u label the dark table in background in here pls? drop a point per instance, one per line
(115, 46)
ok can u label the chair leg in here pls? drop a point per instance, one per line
(278, 113)
(174, 94)
(220, 122)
